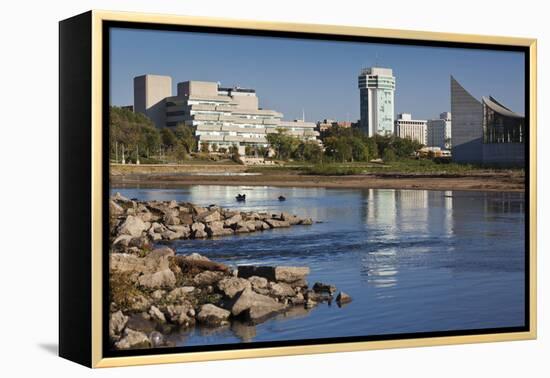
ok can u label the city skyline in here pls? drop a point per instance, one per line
(287, 73)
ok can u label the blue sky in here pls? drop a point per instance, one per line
(318, 76)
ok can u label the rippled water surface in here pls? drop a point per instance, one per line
(413, 260)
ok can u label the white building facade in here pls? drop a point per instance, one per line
(415, 129)
(376, 94)
(439, 132)
(227, 117)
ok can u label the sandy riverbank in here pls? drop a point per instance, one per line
(511, 181)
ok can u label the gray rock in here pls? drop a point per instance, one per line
(287, 274)
(281, 290)
(133, 226)
(232, 285)
(115, 209)
(158, 294)
(172, 219)
(117, 322)
(133, 340)
(342, 298)
(247, 299)
(161, 279)
(199, 234)
(156, 314)
(123, 239)
(216, 229)
(197, 226)
(258, 282)
(157, 339)
(307, 222)
(180, 315)
(207, 278)
(274, 223)
(229, 222)
(212, 315)
(178, 294)
(120, 198)
(209, 216)
(261, 225)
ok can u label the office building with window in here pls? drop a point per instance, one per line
(485, 132)
(376, 94)
(223, 116)
(415, 129)
(439, 131)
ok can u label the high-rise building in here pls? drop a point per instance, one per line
(439, 131)
(225, 116)
(415, 129)
(376, 93)
(485, 132)
(149, 94)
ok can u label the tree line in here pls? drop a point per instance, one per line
(135, 133)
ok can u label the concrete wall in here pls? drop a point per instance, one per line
(149, 94)
(198, 89)
(467, 125)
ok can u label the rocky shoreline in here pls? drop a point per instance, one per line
(155, 292)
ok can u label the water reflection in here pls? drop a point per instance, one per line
(412, 260)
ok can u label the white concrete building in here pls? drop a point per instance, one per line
(439, 131)
(415, 129)
(227, 116)
(376, 94)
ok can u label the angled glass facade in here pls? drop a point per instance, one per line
(500, 124)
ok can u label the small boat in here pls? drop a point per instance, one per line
(241, 197)
(282, 198)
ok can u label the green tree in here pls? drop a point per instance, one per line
(283, 144)
(205, 147)
(389, 155)
(359, 150)
(168, 137)
(186, 136)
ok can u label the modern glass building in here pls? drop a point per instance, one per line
(485, 132)
(376, 94)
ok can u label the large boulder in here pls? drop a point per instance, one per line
(208, 277)
(156, 314)
(232, 285)
(262, 305)
(133, 340)
(281, 290)
(133, 226)
(209, 216)
(212, 315)
(216, 229)
(288, 274)
(258, 282)
(117, 322)
(274, 223)
(158, 280)
(232, 220)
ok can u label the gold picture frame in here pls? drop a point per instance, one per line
(92, 25)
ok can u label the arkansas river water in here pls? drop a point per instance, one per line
(412, 260)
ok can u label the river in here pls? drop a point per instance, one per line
(412, 260)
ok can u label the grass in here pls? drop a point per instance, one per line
(404, 166)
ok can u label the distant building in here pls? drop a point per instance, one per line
(326, 124)
(376, 93)
(439, 131)
(415, 129)
(220, 116)
(128, 107)
(150, 92)
(485, 132)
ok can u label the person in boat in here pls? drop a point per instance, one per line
(241, 197)
(282, 198)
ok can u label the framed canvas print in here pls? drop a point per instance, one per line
(235, 189)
